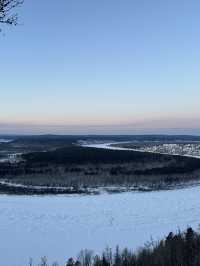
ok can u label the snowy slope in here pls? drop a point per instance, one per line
(59, 226)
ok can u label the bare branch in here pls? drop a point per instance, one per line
(6, 14)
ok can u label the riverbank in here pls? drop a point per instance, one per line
(10, 188)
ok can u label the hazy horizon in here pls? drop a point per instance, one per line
(146, 127)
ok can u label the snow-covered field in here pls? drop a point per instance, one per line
(59, 226)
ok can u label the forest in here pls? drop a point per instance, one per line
(60, 161)
(179, 249)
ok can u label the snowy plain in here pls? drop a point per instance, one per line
(60, 226)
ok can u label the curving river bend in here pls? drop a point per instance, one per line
(60, 226)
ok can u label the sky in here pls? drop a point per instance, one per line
(107, 67)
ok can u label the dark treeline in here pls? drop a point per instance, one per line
(78, 155)
(78, 167)
(106, 137)
(166, 164)
(52, 160)
(180, 249)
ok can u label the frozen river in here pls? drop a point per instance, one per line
(60, 226)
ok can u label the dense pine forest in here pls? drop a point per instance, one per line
(180, 249)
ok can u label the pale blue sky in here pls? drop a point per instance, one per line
(89, 66)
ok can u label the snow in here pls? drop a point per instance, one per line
(108, 146)
(5, 140)
(16, 185)
(60, 226)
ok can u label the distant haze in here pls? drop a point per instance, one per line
(148, 127)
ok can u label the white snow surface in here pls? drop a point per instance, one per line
(5, 140)
(60, 226)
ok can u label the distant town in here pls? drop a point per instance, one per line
(189, 149)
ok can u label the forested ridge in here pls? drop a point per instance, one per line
(78, 167)
(52, 161)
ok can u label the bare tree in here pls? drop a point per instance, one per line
(43, 262)
(30, 262)
(85, 257)
(55, 263)
(6, 11)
